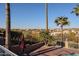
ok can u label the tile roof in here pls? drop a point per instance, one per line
(53, 51)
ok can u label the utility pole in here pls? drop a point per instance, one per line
(46, 13)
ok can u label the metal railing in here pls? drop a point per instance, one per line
(5, 52)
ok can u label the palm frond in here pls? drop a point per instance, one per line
(76, 10)
(62, 21)
(72, 11)
(77, 14)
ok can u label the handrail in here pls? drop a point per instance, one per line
(6, 51)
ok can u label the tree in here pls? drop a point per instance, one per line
(45, 37)
(7, 41)
(72, 36)
(62, 21)
(76, 10)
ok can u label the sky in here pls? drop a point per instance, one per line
(32, 15)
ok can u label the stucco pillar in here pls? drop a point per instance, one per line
(66, 43)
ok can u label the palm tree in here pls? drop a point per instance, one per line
(7, 41)
(46, 11)
(76, 10)
(62, 21)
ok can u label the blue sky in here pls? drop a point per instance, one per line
(28, 15)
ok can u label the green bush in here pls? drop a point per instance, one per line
(30, 41)
(73, 45)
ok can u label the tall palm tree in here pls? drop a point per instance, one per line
(62, 21)
(46, 11)
(7, 40)
(76, 10)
